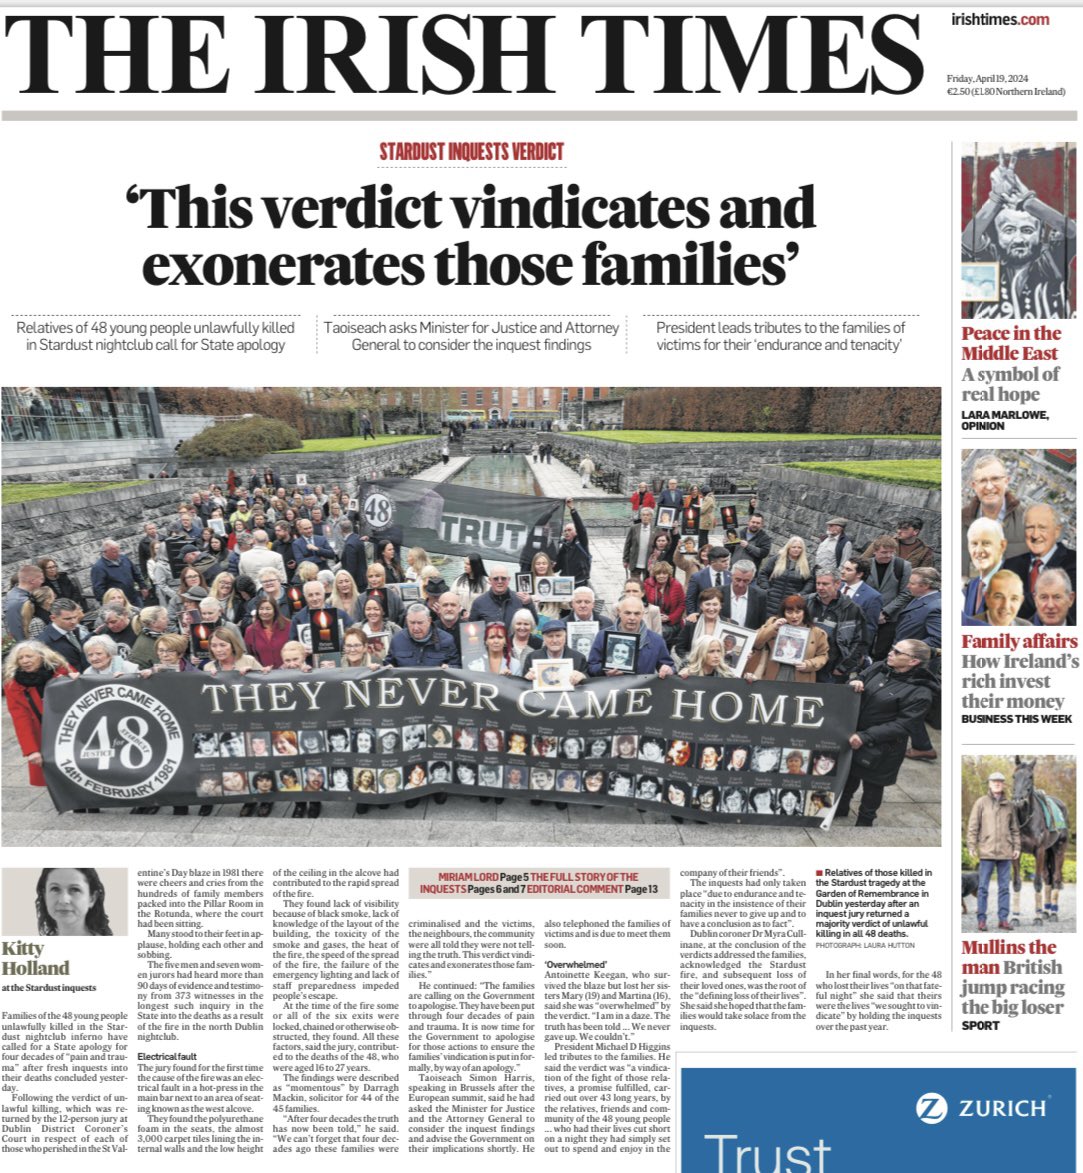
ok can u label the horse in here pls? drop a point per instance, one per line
(1047, 844)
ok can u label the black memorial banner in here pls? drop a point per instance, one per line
(455, 519)
(704, 748)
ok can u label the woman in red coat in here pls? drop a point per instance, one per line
(27, 670)
(667, 594)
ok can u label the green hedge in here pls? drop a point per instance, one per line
(240, 440)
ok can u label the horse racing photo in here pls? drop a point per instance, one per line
(1019, 843)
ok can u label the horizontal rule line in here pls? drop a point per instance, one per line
(1013, 115)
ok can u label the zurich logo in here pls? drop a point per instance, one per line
(931, 1108)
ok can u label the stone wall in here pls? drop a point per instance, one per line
(796, 501)
(71, 529)
(721, 465)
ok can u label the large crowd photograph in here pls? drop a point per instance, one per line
(485, 615)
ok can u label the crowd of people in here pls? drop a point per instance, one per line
(259, 576)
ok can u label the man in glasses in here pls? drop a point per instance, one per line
(499, 603)
(994, 501)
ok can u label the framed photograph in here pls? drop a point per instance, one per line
(301, 478)
(218, 524)
(687, 546)
(581, 634)
(472, 642)
(552, 675)
(353, 505)
(736, 646)
(378, 643)
(791, 643)
(545, 588)
(409, 592)
(621, 650)
(525, 583)
(563, 585)
(667, 517)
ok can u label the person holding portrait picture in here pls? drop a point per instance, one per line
(651, 655)
(768, 661)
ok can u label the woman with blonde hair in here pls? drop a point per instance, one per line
(306, 572)
(345, 595)
(790, 574)
(416, 561)
(541, 566)
(35, 611)
(707, 659)
(223, 588)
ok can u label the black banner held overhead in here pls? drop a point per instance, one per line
(705, 748)
(447, 518)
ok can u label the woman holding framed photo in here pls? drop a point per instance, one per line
(788, 646)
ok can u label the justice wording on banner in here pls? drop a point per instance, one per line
(448, 518)
(704, 748)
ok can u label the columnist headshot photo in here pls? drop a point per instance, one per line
(64, 902)
(71, 903)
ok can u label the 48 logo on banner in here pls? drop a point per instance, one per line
(118, 741)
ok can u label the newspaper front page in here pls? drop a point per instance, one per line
(622, 880)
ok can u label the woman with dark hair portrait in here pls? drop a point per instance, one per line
(364, 740)
(263, 783)
(568, 781)
(760, 801)
(789, 803)
(823, 764)
(598, 747)
(70, 902)
(492, 740)
(594, 781)
(625, 745)
(676, 794)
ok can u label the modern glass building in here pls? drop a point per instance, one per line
(71, 414)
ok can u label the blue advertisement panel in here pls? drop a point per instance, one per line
(893, 1120)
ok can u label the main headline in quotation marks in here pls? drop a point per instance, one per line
(563, 207)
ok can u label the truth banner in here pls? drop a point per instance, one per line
(705, 748)
(455, 519)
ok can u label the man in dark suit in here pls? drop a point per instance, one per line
(715, 574)
(743, 602)
(854, 573)
(920, 618)
(64, 635)
(1042, 531)
(352, 556)
(755, 543)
